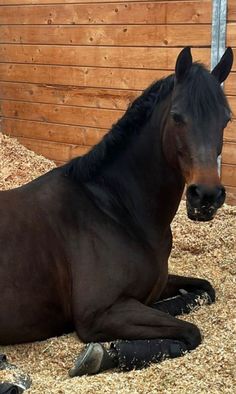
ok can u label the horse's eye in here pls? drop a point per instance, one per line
(177, 118)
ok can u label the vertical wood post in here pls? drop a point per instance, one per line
(218, 38)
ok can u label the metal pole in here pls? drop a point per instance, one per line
(218, 38)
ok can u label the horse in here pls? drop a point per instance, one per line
(85, 247)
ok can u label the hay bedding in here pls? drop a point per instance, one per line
(201, 249)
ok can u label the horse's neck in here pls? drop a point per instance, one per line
(158, 187)
(140, 190)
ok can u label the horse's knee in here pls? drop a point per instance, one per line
(192, 336)
(98, 327)
(85, 332)
(85, 335)
(88, 329)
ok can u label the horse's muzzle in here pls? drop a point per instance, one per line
(203, 201)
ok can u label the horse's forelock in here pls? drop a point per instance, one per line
(203, 93)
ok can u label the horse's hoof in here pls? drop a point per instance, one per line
(204, 297)
(9, 388)
(93, 359)
(89, 361)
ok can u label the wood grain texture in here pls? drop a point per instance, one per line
(232, 103)
(229, 153)
(230, 84)
(231, 12)
(94, 117)
(231, 195)
(43, 2)
(121, 57)
(52, 132)
(231, 34)
(228, 175)
(230, 132)
(27, 2)
(54, 150)
(190, 12)
(229, 149)
(68, 95)
(122, 35)
(117, 78)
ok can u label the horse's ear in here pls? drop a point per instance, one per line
(222, 69)
(183, 64)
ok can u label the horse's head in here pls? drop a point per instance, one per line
(193, 136)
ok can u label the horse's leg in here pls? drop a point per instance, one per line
(192, 285)
(183, 294)
(183, 303)
(149, 336)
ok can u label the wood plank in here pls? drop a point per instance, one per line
(94, 117)
(228, 175)
(231, 12)
(54, 150)
(231, 195)
(69, 95)
(230, 84)
(230, 132)
(27, 2)
(81, 76)
(190, 12)
(229, 153)
(231, 34)
(234, 65)
(99, 56)
(124, 35)
(52, 132)
(232, 103)
(80, 96)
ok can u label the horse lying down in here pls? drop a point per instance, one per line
(86, 246)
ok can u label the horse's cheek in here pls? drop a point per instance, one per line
(169, 148)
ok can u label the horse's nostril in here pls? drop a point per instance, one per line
(205, 196)
(193, 192)
(220, 197)
(221, 193)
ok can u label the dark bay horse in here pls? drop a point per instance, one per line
(86, 245)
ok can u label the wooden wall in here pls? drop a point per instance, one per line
(69, 68)
(229, 151)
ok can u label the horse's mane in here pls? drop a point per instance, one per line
(203, 95)
(84, 168)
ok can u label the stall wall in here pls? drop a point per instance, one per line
(229, 150)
